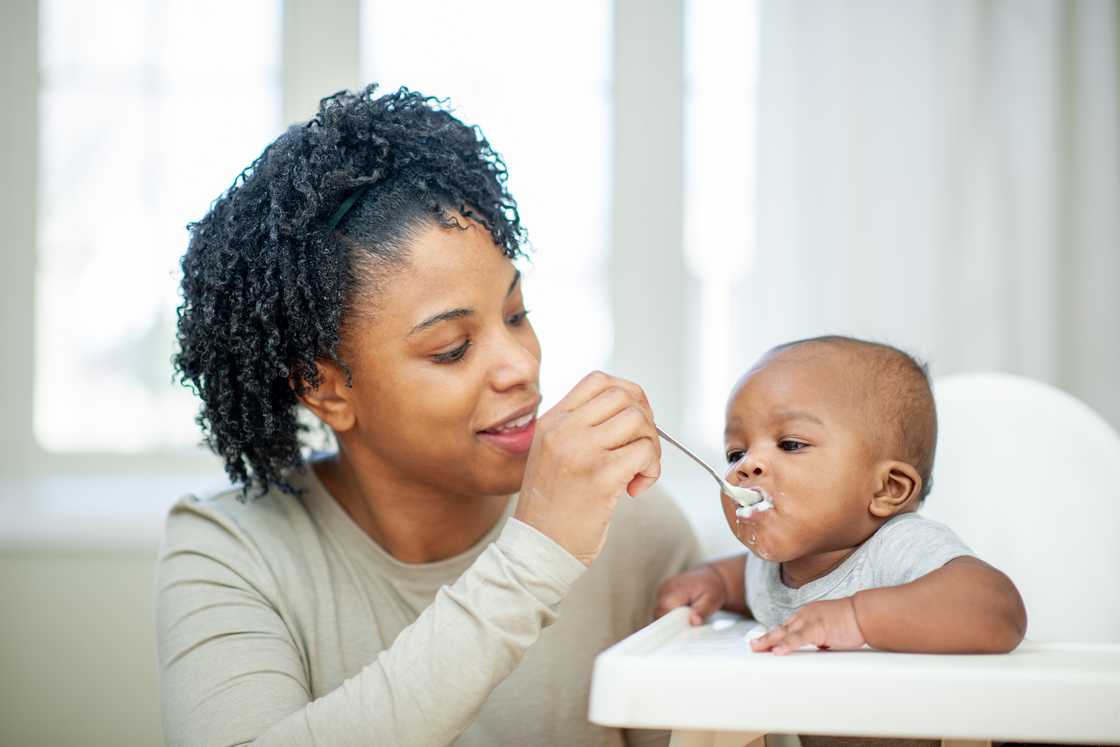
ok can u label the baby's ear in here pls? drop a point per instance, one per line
(897, 484)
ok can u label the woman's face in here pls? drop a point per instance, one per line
(445, 367)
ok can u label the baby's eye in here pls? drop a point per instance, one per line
(788, 444)
(515, 320)
(734, 456)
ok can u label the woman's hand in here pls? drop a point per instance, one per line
(594, 445)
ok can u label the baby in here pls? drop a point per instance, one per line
(839, 434)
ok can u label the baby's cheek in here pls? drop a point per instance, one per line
(729, 507)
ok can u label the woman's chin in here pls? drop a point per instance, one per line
(503, 480)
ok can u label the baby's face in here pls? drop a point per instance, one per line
(796, 431)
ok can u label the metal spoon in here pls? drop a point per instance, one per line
(743, 496)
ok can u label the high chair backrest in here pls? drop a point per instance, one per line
(1029, 477)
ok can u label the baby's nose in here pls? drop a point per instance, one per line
(749, 467)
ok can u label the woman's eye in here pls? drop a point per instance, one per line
(788, 444)
(516, 319)
(734, 456)
(452, 355)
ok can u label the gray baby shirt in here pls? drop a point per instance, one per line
(905, 548)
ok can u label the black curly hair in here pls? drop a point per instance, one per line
(284, 255)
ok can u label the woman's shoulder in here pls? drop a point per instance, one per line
(653, 525)
(237, 506)
(653, 508)
(234, 522)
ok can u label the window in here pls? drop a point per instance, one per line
(536, 78)
(719, 226)
(148, 108)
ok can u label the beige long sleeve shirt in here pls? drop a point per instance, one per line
(281, 623)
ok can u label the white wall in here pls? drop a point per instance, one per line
(78, 647)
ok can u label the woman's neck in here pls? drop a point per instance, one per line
(411, 522)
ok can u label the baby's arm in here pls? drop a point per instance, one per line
(705, 589)
(966, 606)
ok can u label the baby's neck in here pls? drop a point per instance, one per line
(797, 573)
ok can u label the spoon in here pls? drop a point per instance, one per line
(743, 496)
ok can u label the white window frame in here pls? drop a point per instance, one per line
(320, 55)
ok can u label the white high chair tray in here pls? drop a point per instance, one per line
(670, 675)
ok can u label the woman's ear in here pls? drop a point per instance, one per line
(332, 400)
(898, 483)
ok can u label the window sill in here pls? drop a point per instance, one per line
(118, 512)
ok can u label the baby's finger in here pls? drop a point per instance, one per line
(670, 600)
(790, 642)
(705, 604)
(804, 632)
(768, 641)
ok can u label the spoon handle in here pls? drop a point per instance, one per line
(685, 449)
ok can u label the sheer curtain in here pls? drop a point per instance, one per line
(548, 112)
(944, 176)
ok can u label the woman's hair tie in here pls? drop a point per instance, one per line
(344, 208)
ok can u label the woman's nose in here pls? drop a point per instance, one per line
(516, 366)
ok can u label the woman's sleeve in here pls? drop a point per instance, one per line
(231, 672)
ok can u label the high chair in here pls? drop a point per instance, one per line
(1029, 477)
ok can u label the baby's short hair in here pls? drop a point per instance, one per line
(896, 386)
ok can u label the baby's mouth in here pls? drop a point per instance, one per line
(745, 512)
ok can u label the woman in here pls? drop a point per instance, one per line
(399, 591)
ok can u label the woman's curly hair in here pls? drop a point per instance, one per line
(277, 263)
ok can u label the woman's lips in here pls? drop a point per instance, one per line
(515, 440)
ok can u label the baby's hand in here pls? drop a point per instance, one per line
(827, 624)
(702, 589)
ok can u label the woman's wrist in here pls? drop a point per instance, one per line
(540, 556)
